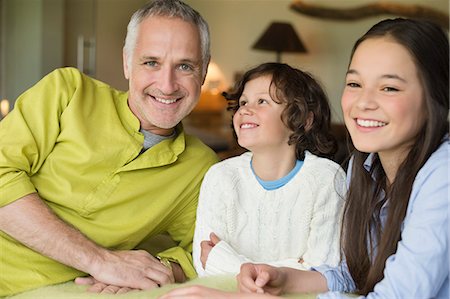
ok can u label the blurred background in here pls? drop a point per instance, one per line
(38, 36)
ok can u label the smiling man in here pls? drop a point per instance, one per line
(88, 172)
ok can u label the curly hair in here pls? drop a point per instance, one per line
(304, 98)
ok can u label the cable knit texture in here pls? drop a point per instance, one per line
(300, 220)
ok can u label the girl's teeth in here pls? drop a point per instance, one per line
(370, 123)
(247, 126)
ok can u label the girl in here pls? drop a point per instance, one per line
(278, 203)
(395, 228)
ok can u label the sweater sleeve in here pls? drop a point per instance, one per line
(211, 213)
(224, 259)
(323, 241)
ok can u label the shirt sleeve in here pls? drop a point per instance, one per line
(181, 230)
(419, 268)
(29, 133)
(224, 259)
(338, 278)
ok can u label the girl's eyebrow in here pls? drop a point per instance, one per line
(385, 76)
(393, 76)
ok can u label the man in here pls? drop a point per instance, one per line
(88, 172)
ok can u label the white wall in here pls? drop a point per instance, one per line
(34, 40)
(236, 24)
(32, 43)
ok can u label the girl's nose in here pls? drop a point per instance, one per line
(367, 100)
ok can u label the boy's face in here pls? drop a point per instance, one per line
(257, 122)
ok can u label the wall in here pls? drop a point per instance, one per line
(112, 20)
(32, 39)
(36, 38)
(236, 24)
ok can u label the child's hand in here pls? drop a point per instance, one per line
(206, 246)
(260, 278)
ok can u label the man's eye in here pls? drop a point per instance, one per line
(185, 67)
(151, 63)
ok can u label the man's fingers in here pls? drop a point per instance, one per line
(85, 280)
(110, 289)
(124, 290)
(97, 287)
(160, 276)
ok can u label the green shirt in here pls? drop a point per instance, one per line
(75, 141)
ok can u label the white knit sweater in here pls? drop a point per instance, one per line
(278, 227)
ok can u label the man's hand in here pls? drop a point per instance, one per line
(206, 247)
(134, 269)
(100, 287)
(30, 221)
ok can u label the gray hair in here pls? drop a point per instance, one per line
(168, 8)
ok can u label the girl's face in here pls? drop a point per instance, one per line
(257, 122)
(383, 102)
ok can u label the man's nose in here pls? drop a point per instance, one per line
(168, 82)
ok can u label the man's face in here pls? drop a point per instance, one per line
(164, 73)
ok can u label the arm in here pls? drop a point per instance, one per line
(181, 229)
(417, 268)
(323, 245)
(261, 278)
(224, 259)
(29, 135)
(30, 221)
(211, 217)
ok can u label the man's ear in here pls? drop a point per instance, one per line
(125, 64)
(206, 71)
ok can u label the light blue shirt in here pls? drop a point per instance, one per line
(420, 267)
(273, 185)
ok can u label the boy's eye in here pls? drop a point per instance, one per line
(242, 103)
(262, 101)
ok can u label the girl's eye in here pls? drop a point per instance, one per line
(353, 85)
(242, 103)
(390, 89)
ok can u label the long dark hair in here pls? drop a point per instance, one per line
(303, 96)
(362, 229)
